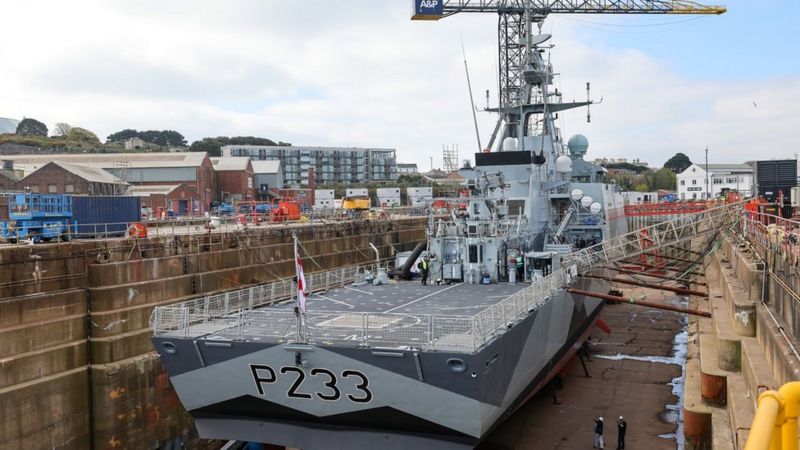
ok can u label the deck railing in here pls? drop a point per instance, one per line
(236, 316)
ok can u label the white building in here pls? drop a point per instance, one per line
(692, 181)
(345, 165)
(407, 168)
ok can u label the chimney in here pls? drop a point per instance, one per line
(312, 184)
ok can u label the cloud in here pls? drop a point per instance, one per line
(353, 74)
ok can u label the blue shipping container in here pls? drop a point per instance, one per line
(105, 216)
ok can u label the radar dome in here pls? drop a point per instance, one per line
(595, 208)
(578, 144)
(586, 201)
(509, 144)
(564, 164)
(576, 194)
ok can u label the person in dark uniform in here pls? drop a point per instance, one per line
(424, 269)
(598, 433)
(621, 427)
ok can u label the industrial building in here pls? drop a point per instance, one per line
(156, 200)
(695, 183)
(62, 178)
(268, 176)
(142, 169)
(235, 178)
(331, 165)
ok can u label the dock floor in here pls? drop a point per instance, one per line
(620, 384)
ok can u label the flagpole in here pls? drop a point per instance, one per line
(296, 291)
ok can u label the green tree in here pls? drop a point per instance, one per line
(82, 136)
(213, 145)
(172, 138)
(664, 178)
(678, 163)
(32, 127)
(122, 136)
(61, 129)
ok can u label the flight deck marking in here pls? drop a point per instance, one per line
(335, 301)
(358, 290)
(421, 298)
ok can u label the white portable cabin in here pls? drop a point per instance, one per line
(388, 197)
(324, 199)
(640, 198)
(356, 192)
(419, 196)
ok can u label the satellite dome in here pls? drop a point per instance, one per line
(564, 164)
(595, 208)
(586, 201)
(578, 144)
(8, 125)
(509, 144)
(576, 194)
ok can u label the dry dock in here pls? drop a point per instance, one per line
(631, 374)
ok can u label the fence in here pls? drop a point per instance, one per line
(232, 316)
(197, 317)
(199, 225)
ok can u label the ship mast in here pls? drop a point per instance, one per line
(525, 112)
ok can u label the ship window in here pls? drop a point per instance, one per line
(474, 253)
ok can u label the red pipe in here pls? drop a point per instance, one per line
(615, 299)
(636, 272)
(649, 285)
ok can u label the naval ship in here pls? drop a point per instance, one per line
(380, 361)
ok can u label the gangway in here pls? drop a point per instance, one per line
(659, 236)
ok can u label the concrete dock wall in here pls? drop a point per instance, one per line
(744, 349)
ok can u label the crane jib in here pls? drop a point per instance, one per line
(437, 9)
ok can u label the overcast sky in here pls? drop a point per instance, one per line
(360, 73)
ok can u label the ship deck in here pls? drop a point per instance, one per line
(383, 315)
(345, 311)
(411, 297)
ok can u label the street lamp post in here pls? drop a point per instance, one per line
(708, 192)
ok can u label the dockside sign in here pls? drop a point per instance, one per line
(428, 9)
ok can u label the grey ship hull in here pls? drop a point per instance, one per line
(411, 400)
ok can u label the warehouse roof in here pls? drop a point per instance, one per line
(727, 166)
(261, 167)
(116, 160)
(237, 163)
(157, 189)
(91, 174)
